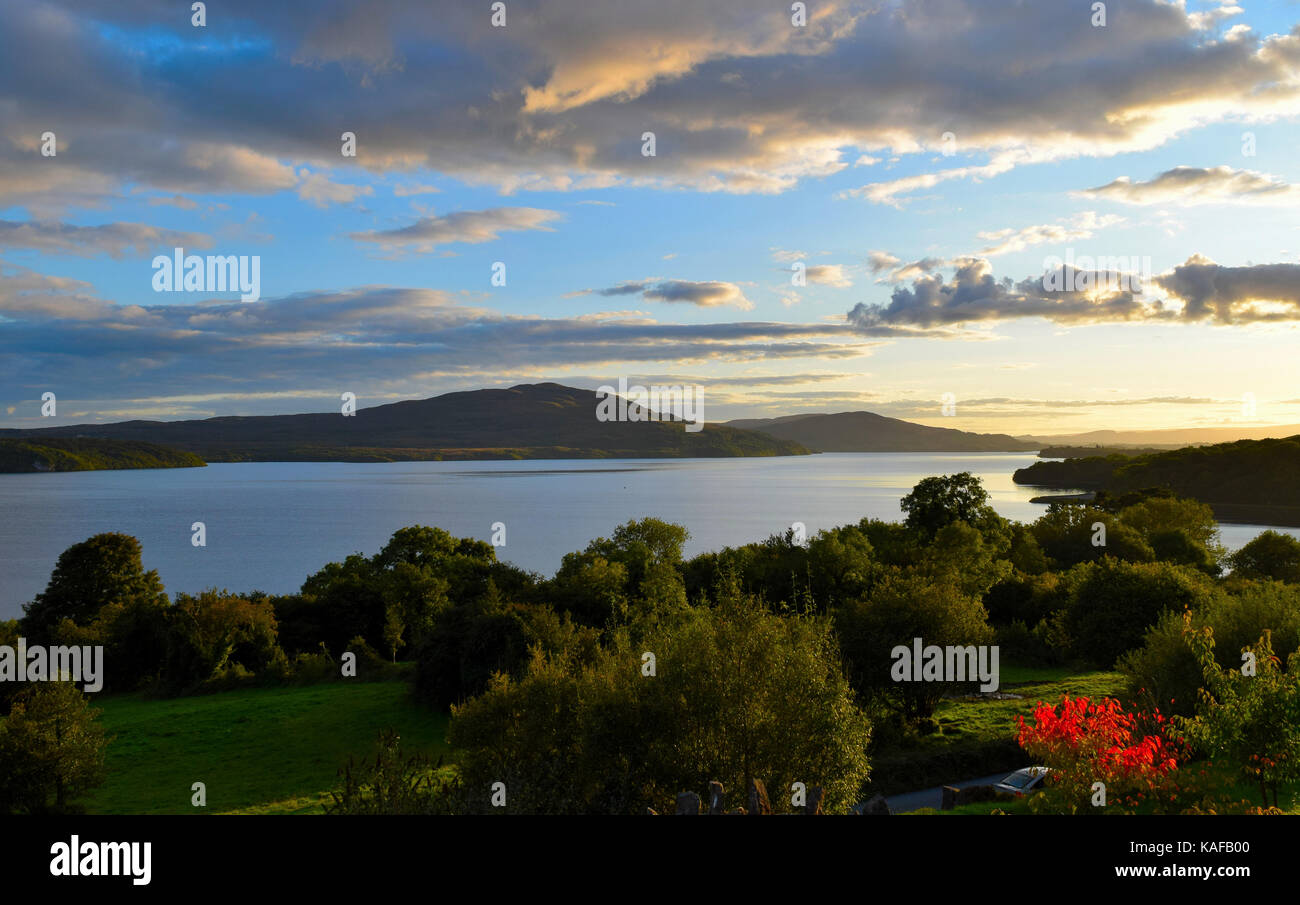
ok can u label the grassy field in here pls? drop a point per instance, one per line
(976, 736)
(264, 750)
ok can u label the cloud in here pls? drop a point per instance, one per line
(306, 346)
(912, 271)
(881, 260)
(1198, 290)
(320, 191)
(558, 100)
(828, 275)
(1081, 226)
(1200, 185)
(973, 295)
(117, 240)
(1234, 295)
(705, 294)
(470, 227)
(1091, 403)
(890, 191)
(405, 191)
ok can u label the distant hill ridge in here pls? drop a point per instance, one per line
(1248, 480)
(869, 432)
(545, 420)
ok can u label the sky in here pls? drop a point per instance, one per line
(1049, 223)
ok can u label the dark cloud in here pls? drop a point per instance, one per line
(1209, 292)
(559, 99)
(407, 342)
(706, 293)
(973, 295)
(1232, 295)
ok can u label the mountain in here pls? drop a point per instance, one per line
(868, 432)
(1255, 481)
(529, 421)
(1182, 436)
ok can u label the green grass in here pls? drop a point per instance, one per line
(1012, 674)
(988, 719)
(264, 750)
(977, 737)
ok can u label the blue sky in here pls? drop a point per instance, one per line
(1171, 133)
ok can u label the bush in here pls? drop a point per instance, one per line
(1113, 603)
(900, 609)
(1164, 671)
(737, 693)
(392, 783)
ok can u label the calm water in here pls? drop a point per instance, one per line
(270, 524)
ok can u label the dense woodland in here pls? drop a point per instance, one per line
(770, 660)
(1250, 472)
(89, 454)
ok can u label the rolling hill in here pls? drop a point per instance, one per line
(529, 421)
(868, 432)
(1246, 481)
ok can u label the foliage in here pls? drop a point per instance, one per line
(89, 454)
(391, 783)
(1083, 742)
(102, 570)
(1270, 555)
(1067, 535)
(900, 609)
(738, 692)
(212, 632)
(1165, 671)
(51, 750)
(1249, 718)
(937, 502)
(1113, 603)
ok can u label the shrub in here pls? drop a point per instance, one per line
(737, 693)
(1113, 603)
(1084, 742)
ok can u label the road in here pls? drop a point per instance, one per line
(932, 798)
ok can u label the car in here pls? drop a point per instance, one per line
(1023, 781)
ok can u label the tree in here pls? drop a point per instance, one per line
(939, 501)
(737, 692)
(214, 631)
(1067, 533)
(50, 748)
(102, 570)
(1270, 555)
(638, 545)
(393, 628)
(1113, 604)
(901, 609)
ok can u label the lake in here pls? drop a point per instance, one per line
(270, 524)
